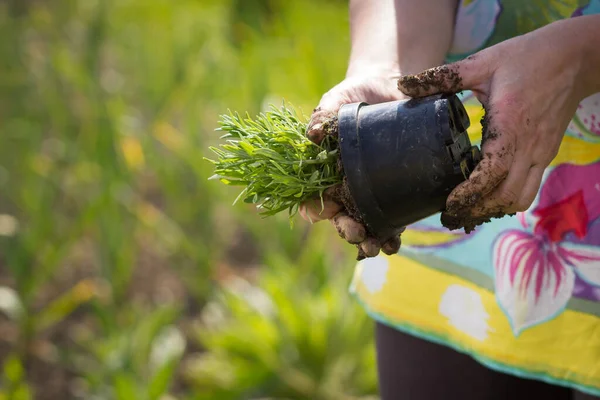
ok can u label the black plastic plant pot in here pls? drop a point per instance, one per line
(403, 158)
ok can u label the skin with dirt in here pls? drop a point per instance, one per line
(460, 210)
(443, 79)
(341, 193)
(464, 211)
(358, 235)
(458, 213)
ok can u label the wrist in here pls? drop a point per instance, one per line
(590, 53)
(361, 67)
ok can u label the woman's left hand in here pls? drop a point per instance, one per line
(530, 87)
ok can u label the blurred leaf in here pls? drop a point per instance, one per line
(146, 332)
(160, 381)
(125, 387)
(106, 108)
(22, 392)
(169, 345)
(279, 353)
(10, 304)
(13, 369)
(60, 308)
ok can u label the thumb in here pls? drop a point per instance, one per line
(319, 124)
(324, 115)
(468, 74)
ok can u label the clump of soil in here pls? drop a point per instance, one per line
(442, 79)
(330, 126)
(458, 214)
(342, 192)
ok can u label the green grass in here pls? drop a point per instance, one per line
(272, 158)
(114, 243)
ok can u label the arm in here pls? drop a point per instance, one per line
(393, 37)
(586, 30)
(389, 38)
(530, 86)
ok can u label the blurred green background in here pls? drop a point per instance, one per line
(124, 273)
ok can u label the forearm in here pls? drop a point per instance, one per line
(590, 36)
(394, 37)
(578, 40)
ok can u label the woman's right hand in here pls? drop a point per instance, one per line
(358, 88)
(388, 37)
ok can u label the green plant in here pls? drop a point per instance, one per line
(139, 361)
(271, 156)
(295, 334)
(105, 204)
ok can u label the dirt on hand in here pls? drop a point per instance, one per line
(442, 79)
(349, 229)
(348, 221)
(322, 124)
(465, 209)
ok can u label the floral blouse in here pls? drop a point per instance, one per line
(520, 294)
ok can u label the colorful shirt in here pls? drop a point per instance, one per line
(520, 294)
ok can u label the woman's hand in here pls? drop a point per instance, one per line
(388, 37)
(530, 87)
(372, 90)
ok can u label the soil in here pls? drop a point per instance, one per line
(330, 126)
(442, 79)
(458, 214)
(341, 193)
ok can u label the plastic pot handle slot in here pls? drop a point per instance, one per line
(403, 158)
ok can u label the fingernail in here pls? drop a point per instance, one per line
(316, 134)
(317, 127)
(391, 247)
(348, 229)
(302, 212)
(360, 255)
(451, 222)
(370, 247)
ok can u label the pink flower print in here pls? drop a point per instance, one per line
(586, 122)
(566, 215)
(532, 282)
(536, 271)
(572, 193)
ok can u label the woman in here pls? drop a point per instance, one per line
(513, 308)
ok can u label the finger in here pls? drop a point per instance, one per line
(349, 229)
(451, 222)
(361, 254)
(314, 211)
(466, 222)
(507, 194)
(530, 189)
(323, 115)
(370, 247)
(392, 246)
(469, 73)
(489, 173)
(498, 148)
(319, 124)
